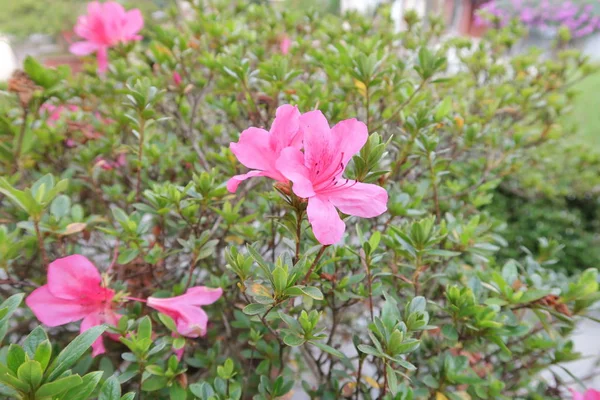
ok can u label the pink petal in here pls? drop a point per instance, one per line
(253, 149)
(233, 183)
(285, 130)
(91, 320)
(291, 165)
(317, 137)
(102, 58)
(349, 136)
(53, 311)
(592, 394)
(192, 322)
(325, 221)
(83, 48)
(202, 295)
(360, 199)
(73, 278)
(133, 24)
(577, 395)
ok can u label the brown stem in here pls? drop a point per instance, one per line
(385, 381)
(358, 377)
(19, 147)
(314, 264)
(363, 260)
(40, 239)
(436, 198)
(299, 214)
(140, 155)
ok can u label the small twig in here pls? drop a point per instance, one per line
(314, 264)
(363, 260)
(19, 146)
(140, 154)
(40, 240)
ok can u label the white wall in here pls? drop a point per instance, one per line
(8, 61)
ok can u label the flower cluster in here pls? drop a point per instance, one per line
(76, 291)
(581, 17)
(317, 172)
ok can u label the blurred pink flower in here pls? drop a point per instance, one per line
(589, 394)
(106, 25)
(109, 165)
(74, 292)
(190, 318)
(285, 44)
(55, 112)
(317, 175)
(176, 78)
(259, 150)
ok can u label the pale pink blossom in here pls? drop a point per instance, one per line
(589, 394)
(317, 175)
(189, 317)
(259, 150)
(104, 26)
(74, 292)
(284, 44)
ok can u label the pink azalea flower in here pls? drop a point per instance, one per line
(589, 394)
(106, 25)
(259, 150)
(74, 292)
(190, 319)
(317, 175)
(176, 78)
(285, 44)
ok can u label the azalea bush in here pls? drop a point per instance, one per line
(580, 17)
(248, 202)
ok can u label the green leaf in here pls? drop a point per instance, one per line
(176, 392)
(21, 199)
(9, 306)
(309, 291)
(127, 256)
(58, 386)
(293, 339)
(168, 322)
(74, 351)
(86, 388)
(328, 349)
(145, 328)
(443, 253)
(60, 206)
(280, 277)
(110, 390)
(15, 357)
(30, 372)
(12, 381)
(32, 341)
(443, 109)
(43, 353)
(155, 383)
(255, 309)
(128, 396)
(367, 349)
(450, 332)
